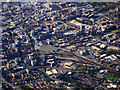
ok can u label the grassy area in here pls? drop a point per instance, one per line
(115, 78)
(25, 87)
(82, 68)
(97, 36)
(47, 78)
(107, 33)
(85, 22)
(111, 31)
(62, 86)
(112, 76)
(104, 7)
(97, 3)
(93, 74)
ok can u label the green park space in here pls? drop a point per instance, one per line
(112, 76)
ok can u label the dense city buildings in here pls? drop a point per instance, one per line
(60, 45)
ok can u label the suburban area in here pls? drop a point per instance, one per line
(60, 45)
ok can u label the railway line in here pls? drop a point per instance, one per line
(97, 64)
(89, 61)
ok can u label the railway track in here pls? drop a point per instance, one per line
(88, 61)
(91, 62)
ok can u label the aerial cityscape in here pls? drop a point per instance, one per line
(60, 45)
